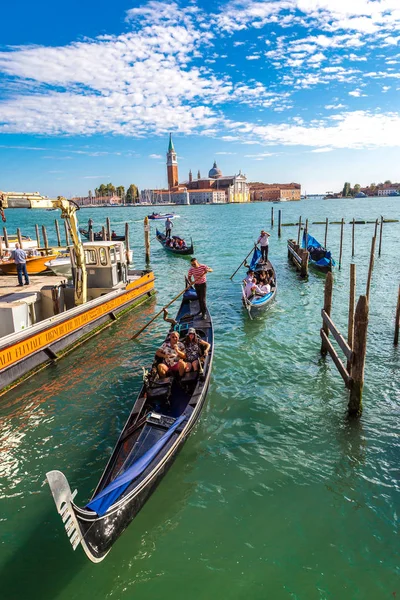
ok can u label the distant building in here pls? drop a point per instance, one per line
(97, 200)
(214, 189)
(268, 192)
(387, 189)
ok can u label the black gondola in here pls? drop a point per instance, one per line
(162, 238)
(98, 237)
(161, 419)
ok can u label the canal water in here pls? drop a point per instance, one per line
(276, 494)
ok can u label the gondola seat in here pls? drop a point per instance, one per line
(160, 390)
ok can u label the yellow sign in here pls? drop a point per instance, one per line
(23, 349)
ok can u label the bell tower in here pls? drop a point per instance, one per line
(172, 165)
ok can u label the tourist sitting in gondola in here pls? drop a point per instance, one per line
(249, 276)
(253, 289)
(173, 354)
(194, 348)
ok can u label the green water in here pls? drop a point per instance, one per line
(276, 494)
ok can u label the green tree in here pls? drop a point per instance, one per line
(101, 190)
(346, 189)
(388, 182)
(120, 191)
(132, 194)
(110, 189)
(356, 188)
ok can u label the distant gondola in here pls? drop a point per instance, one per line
(256, 303)
(98, 237)
(319, 257)
(159, 216)
(161, 419)
(181, 251)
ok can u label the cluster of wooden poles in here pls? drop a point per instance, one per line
(355, 346)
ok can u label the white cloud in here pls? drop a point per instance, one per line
(322, 150)
(155, 156)
(357, 129)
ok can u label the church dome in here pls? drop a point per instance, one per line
(214, 173)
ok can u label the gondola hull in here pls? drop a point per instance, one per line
(320, 258)
(180, 252)
(97, 533)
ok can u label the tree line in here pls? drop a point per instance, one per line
(106, 190)
(349, 191)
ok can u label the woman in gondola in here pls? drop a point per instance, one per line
(194, 348)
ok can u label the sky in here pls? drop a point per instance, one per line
(283, 90)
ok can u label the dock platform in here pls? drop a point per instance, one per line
(9, 286)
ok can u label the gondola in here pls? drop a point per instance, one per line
(98, 237)
(162, 238)
(156, 216)
(257, 303)
(319, 257)
(161, 420)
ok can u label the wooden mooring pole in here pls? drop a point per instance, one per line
(376, 227)
(272, 216)
(103, 234)
(5, 236)
(352, 305)
(380, 237)
(19, 236)
(1, 246)
(304, 263)
(127, 247)
(371, 267)
(359, 352)
(57, 232)
(91, 235)
(299, 232)
(341, 243)
(397, 320)
(352, 237)
(37, 236)
(108, 228)
(326, 232)
(279, 222)
(45, 240)
(147, 238)
(327, 308)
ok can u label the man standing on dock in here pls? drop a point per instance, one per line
(197, 274)
(168, 227)
(19, 257)
(264, 243)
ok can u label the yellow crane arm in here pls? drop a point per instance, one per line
(68, 212)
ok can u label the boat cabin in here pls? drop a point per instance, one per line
(106, 266)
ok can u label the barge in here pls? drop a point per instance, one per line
(41, 322)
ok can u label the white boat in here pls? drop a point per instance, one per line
(60, 266)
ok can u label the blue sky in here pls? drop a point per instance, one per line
(285, 90)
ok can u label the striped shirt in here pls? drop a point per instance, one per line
(199, 273)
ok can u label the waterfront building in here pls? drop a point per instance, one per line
(97, 200)
(269, 192)
(214, 189)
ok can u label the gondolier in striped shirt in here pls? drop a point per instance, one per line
(197, 274)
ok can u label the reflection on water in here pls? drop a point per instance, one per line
(276, 494)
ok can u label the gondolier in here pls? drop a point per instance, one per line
(168, 227)
(197, 274)
(90, 225)
(264, 244)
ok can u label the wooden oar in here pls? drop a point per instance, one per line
(242, 263)
(160, 312)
